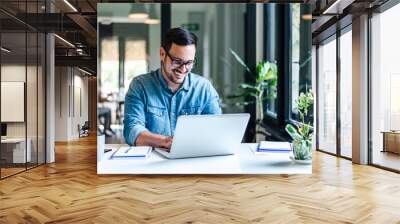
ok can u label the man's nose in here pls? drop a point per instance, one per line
(182, 68)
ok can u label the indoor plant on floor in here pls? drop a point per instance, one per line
(302, 134)
(262, 88)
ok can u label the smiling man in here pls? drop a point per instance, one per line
(155, 100)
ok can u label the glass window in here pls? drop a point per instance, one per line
(295, 72)
(385, 85)
(13, 43)
(300, 73)
(109, 65)
(41, 98)
(217, 27)
(327, 96)
(270, 53)
(32, 94)
(129, 46)
(135, 60)
(346, 94)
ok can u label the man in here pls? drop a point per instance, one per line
(155, 100)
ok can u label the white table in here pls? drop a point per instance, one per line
(18, 154)
(242, 162)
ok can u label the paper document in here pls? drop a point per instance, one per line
(132, 151)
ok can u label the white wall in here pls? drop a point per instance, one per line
(71, 87)
(10, 73)
(33, 126)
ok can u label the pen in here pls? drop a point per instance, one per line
(127, 150)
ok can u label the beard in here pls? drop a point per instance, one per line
(172, 76)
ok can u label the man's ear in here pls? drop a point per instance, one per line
(162, 53)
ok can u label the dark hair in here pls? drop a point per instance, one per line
(180, 36)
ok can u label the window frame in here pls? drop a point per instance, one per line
(334, 36)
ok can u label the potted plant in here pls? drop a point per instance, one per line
(302, 134)
(261, 88)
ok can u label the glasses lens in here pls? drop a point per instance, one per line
(176, 63)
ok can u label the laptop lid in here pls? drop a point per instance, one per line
(208, 135)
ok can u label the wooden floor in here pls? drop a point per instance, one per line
(70, 191)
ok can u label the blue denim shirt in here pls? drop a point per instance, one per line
(151, 105)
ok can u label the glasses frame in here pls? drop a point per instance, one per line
(178, 63)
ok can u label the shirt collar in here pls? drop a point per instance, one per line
(185, 85)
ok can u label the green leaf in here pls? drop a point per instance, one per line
(240, 60)
(292, 132)
(262, 70)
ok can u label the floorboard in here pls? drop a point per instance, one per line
(70, 191)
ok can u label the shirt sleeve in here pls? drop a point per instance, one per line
(134, 115)
(213, 104)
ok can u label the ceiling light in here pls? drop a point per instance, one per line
(152, 21)
(138, 11)
(70, 5)
(64, 40)
(153, 16)
(5, 50)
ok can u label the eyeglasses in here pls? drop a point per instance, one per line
(178, 63)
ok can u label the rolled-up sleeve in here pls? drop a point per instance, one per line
(213, 104)
(134, 115)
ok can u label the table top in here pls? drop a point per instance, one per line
(13, 140)
(244, 161)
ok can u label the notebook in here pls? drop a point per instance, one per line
(272, 147)
(132, 152)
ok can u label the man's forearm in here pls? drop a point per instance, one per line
(154, 140)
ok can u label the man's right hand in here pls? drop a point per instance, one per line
(149, 139)
(166, 144)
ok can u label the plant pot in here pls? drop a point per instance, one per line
(302, 150)
(301, 161)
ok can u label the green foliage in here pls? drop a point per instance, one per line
(304, 101)
(302, 136)
(264, 85)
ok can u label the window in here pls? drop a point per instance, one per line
(327, 96)
(109, 65)
(271, 30)
(295, 65)
(217, 27)
(385, 88)
(346, 94)
(300, 70)
(22, 69)
(135, 60)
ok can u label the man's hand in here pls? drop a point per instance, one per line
(154, 140)
(166, 144)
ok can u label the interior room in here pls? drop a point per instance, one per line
(65, 67)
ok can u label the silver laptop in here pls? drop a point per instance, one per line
(207, 135)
